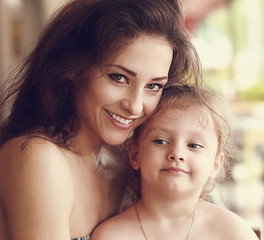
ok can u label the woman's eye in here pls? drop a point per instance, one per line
(118, 78)
(195, 145)
(154, 87)
(160, 141)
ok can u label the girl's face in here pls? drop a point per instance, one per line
(119, 95)
(177, 152)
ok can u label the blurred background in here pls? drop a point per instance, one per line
(229, 38)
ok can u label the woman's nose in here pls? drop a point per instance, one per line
(133, 103)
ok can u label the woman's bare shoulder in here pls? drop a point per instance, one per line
(26, 160)
(22, 150)
(34, 178)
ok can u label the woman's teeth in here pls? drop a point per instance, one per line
(119, 119)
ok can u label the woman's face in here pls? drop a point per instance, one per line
(119, 95)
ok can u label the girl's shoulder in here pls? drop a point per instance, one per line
(223, 223)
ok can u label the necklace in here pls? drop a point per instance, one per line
(93, 170)
(143, 231)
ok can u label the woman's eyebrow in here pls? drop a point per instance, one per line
(123, 68)
(160, 78)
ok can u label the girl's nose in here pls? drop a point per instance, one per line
(176, 157)
(133, 103)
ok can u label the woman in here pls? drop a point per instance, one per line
(96, 74)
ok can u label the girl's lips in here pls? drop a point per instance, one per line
(119, 119)
(174, 170)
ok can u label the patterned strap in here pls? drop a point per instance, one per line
(82, 238)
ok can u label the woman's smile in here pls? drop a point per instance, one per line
(121, 120)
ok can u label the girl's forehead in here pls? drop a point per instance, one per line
(195, 115)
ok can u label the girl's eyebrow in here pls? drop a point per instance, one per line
(133, 73)
(157, 130)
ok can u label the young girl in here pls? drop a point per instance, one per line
(179, 152)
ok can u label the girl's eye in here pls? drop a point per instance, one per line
(160, 141)
(154, 87)
(118, 78)
(195, 145)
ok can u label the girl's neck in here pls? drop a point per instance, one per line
(168, 209)
(157, 219)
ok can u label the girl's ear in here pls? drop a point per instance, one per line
(133, 155)
(218, 163)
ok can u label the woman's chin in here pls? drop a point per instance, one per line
(117, 139)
